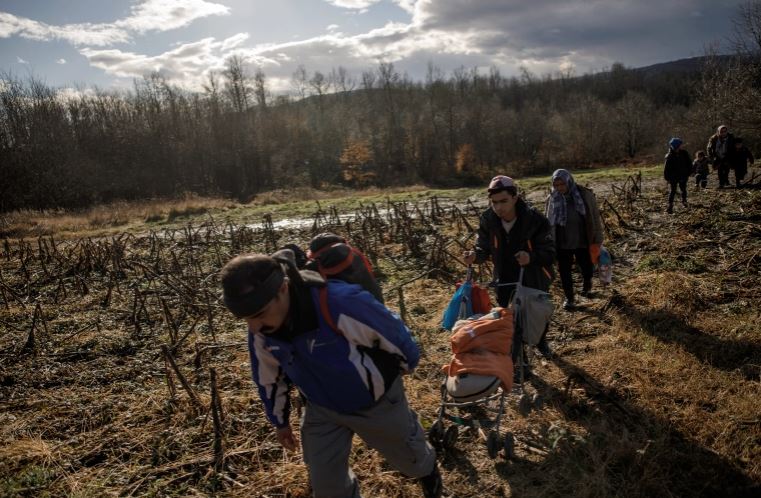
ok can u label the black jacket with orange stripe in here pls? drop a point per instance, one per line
(532, 233)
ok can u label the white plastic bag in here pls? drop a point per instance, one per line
(533, 309)
(605, 267)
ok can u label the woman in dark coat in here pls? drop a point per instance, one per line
(572, 211)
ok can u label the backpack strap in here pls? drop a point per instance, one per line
(325, 310)
(366, 261)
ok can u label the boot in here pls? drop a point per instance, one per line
(670, 209)
(431, 484)
(586, 291)
(544, 349)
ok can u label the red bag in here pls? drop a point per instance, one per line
(479, 298)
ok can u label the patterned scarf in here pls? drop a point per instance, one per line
(558, 213)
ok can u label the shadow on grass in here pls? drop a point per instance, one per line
(628, 451)
(724, 354)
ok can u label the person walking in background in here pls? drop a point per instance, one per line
(573, 214)
(740, 160)
(346, 352)
(514, 235)
(676, 171)
(720, 148)
(701, 167)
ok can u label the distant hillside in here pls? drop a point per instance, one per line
(680, 66)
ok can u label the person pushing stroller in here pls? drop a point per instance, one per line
(514, 235)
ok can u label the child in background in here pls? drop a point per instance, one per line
(701, 168)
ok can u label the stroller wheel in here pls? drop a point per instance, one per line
(509, 445)
(492, 444)
(450, 437)
(538, 401)
(436, 433)
(524, 405)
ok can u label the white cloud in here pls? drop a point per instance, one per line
(234, 41)
(78, 34)
(61, 61)
(21, 61)
(164, 15)
(149, 15)
(353, 4)
(187, 65)
(332, 27)
(408, 5)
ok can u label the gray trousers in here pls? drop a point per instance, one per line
(389, 426)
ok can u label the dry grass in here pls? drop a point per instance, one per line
(655, 391)
(27, 223)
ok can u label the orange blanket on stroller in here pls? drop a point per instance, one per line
(483, 347)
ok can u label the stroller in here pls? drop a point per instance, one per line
(480, 376)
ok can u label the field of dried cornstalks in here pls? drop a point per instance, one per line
(122, 375)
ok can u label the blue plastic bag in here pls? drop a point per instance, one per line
(459, 306)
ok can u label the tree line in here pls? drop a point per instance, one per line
(379, 128)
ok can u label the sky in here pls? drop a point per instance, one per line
(79, 44)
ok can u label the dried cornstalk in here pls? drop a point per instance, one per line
(217, 417)
(185, 384)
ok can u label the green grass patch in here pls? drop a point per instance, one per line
(30, 481)
(352, 202)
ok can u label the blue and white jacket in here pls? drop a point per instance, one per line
(331, 369)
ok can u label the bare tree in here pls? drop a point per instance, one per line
(300, 81)
(237, 85)
(260, 88)
(341, 81)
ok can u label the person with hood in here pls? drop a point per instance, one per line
(739, 161)
(514, 235)
(346, 353)
(676, 171)
(720, 148)
(573, 214)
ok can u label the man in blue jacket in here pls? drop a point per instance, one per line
(345, 352)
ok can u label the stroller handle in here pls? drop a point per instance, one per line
(517, 284)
